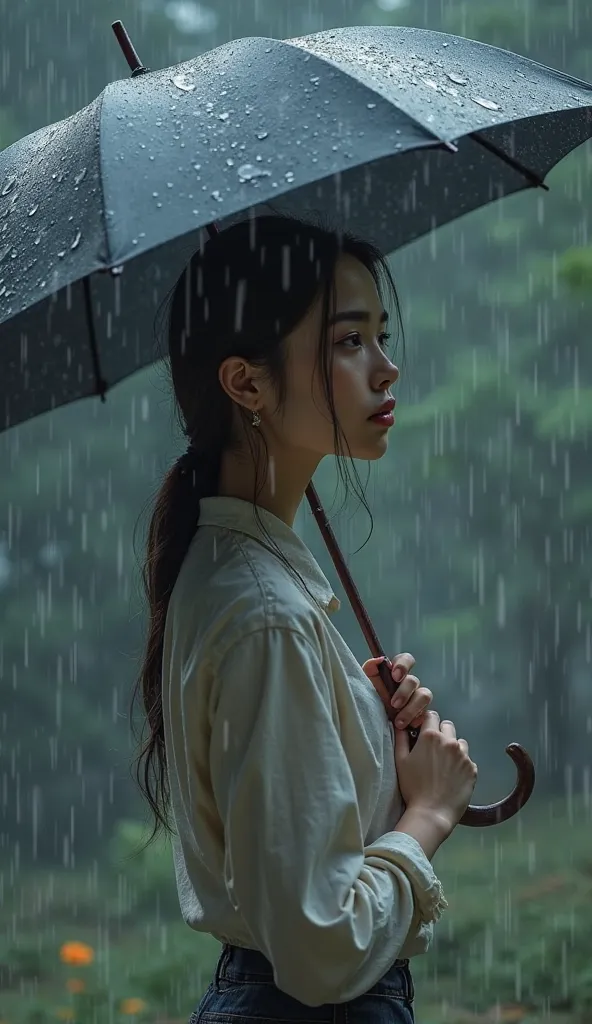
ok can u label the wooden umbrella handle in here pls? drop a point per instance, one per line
(475, 815)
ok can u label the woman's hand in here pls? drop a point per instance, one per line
(408, 706)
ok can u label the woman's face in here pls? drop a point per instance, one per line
(363, 374)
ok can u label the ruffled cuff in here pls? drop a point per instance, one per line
(405, 853)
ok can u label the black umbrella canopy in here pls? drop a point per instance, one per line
(386, 132)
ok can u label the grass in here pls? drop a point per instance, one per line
(515, 944)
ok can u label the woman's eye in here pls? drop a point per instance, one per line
(355, 340)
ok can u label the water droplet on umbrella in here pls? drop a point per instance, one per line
(80, 177)
(216, 195)
(8, 186)
(488, 104)
(76, 241)
(248, 172)
(223, 117)
(33, 209)
(371, 106)
(457, 79)
(262, 135)
(181, 82)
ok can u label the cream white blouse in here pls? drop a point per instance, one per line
(281, 769)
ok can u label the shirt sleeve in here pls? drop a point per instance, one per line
(329, 914)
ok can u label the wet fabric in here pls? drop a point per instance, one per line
(384, 131)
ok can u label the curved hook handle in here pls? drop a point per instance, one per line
(476, 815)
(492, 814)
(480, 815)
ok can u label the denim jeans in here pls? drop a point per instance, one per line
(243, 992)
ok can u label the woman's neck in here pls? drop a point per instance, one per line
(280, 490)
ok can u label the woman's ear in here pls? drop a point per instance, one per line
(241, 382)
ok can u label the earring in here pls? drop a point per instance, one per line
(256, 420)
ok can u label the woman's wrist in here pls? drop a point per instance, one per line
(428, 827)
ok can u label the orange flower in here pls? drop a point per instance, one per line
(65, 1013)
(75, 985)
(77, 953)
(132, 1006)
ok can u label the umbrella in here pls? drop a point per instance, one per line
(388, 131)
(434, 125)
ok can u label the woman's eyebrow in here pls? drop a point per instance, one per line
(358, 315)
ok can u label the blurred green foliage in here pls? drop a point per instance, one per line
(512, 946)
(479, 564)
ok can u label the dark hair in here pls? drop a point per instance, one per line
(241, 294)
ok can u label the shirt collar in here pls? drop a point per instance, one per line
(239, 515)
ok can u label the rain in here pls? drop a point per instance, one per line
(470, 540)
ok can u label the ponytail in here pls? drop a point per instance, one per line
(173, 525)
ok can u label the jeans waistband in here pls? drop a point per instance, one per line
(235, 962)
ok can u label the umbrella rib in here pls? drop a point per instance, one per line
(100, 382)
(531, 176)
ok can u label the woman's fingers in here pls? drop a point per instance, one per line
(415, 707)
(401, 665)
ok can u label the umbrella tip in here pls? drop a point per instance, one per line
(129, 51)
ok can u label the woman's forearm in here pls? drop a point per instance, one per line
(427, 827)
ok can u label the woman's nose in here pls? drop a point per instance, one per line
(388, 376)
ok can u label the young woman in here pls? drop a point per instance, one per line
(303, 827)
